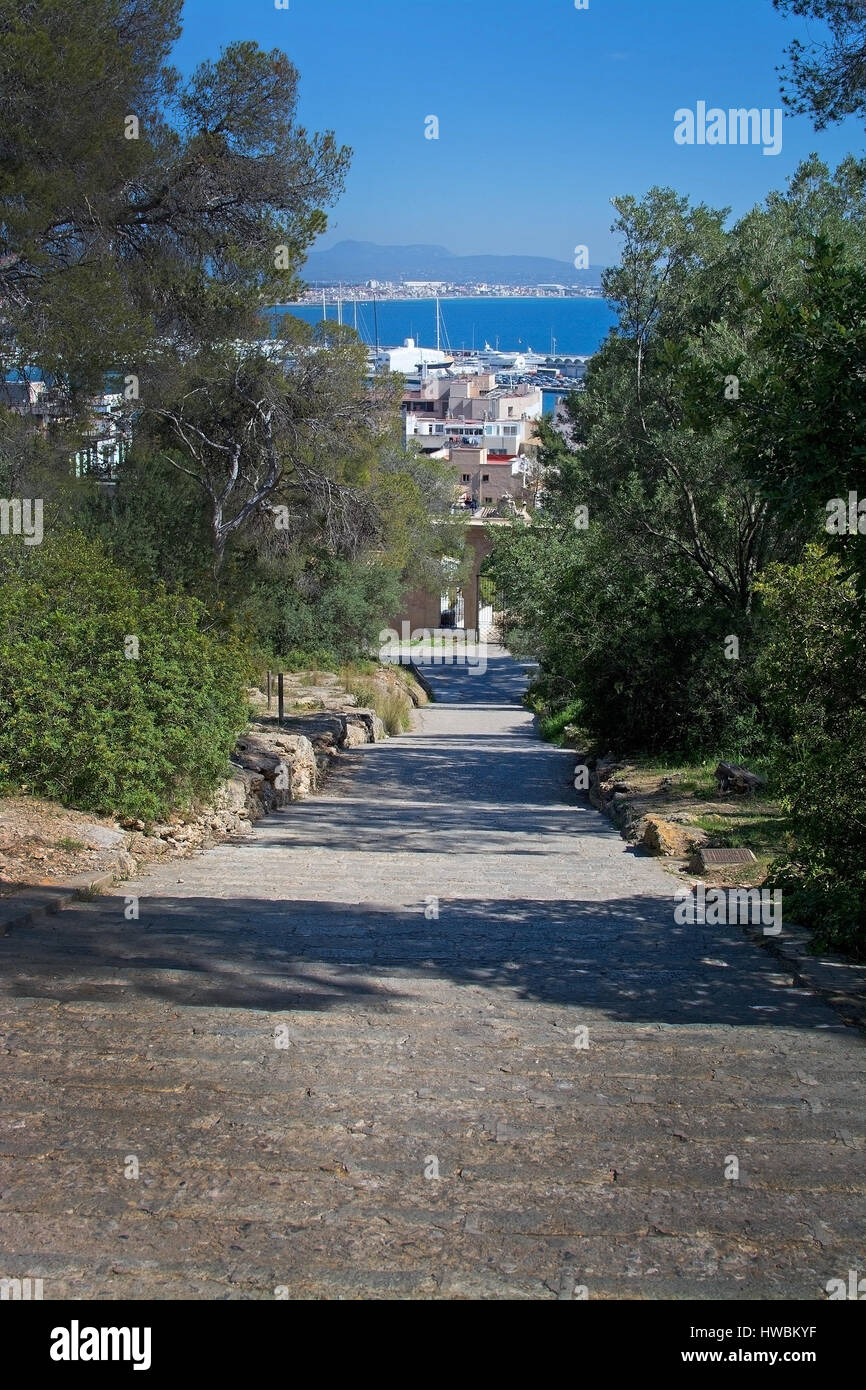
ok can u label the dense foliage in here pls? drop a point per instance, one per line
(145, 224)
(114, 699)
(812, 676)
(670, 587)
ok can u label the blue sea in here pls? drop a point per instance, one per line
(574, 326)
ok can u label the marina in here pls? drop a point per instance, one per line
(534, 329)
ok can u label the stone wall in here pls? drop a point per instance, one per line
(270, 768)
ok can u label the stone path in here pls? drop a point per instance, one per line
(416, 1045)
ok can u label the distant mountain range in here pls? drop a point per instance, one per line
(357, 261)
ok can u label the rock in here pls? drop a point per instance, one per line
(297, 754)
(370, 723)
(152, 845)
(101, 837)
(732, 777)
(284, 764)
(354, 734)
(664, 838)
(231, 795)
(319, 726)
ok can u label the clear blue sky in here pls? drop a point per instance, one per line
(545, 111)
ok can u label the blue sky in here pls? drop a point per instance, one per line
(545, 111)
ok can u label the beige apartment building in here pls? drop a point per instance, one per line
(484, 430)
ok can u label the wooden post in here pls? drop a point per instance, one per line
(269, 689)
(280, 698)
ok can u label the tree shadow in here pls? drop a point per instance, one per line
(627, 960)
(606, 946)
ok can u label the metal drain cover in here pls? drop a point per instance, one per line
(715, 858)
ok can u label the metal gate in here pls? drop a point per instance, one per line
(491, 606)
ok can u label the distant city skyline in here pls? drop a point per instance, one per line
(543, 114)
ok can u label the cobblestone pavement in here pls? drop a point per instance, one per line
(417, 1045)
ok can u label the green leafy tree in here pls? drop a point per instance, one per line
(257, 429)
(139, 205)
(814, 683)
(827, 80)
(804, 427)
(729, 361)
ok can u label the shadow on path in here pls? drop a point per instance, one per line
(626, 961)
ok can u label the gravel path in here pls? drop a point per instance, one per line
(412, 1044)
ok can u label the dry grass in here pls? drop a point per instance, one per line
(392, 704)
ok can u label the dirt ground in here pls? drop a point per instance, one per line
(688, 797)
(43, 843)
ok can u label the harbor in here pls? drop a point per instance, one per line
(538, 337)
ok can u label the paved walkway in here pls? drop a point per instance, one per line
(417, 1045)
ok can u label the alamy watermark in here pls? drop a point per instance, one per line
(716, 907)
(22, 516)
(20, 1290)
(736, 126)
(846, 516)
(437, 646)
(854, 1289)
(77, 1343)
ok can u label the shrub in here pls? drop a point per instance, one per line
(815, 688)
(88, 725)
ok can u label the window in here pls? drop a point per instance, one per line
(467, 478)
(485, 477)
(488, 499)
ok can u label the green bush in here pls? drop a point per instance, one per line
(331, 608)
(814, 681)
(635, 657)
(84, 723)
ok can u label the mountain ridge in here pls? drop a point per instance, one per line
(357, 261)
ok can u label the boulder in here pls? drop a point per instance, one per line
(101, 837)
(664, 838)
(731, 777)
(284, 766)
(231, 795)
(354, 734)
(374, 729)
